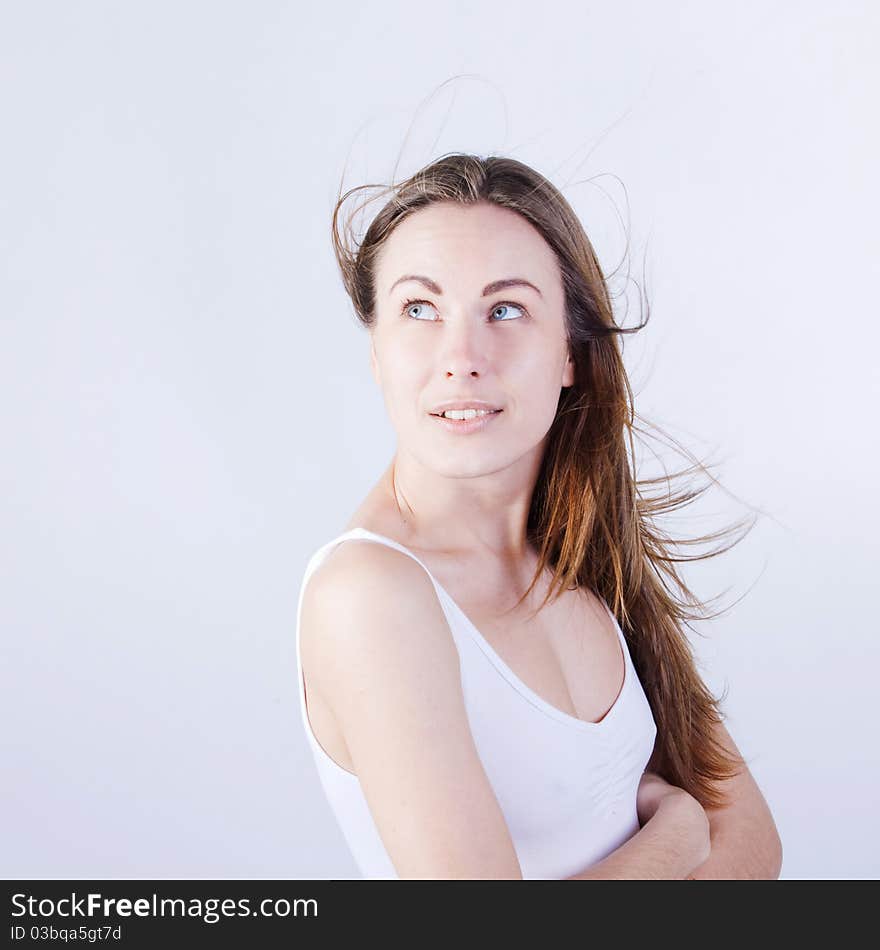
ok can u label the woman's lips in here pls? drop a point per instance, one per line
(464, 426)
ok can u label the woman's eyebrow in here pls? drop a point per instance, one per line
(492, 288)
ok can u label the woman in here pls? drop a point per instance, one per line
(494, 681)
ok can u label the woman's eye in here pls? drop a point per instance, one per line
(505, 306)
(411, 305)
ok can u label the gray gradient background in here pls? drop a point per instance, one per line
(188, 412)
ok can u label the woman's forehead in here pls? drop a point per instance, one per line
(456, 242)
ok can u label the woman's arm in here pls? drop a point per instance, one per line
(745, 842)
(377, 647)
(668, 846)
(672, 842)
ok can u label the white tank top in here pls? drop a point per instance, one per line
(567, 787)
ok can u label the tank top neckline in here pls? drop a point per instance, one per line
(584, 725)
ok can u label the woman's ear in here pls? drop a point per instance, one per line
(568, 372)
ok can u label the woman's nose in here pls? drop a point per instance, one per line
(465, 351)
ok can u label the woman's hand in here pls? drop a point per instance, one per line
(671, 844)
(655, 792)
(652, 790)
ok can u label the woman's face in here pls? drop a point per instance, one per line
(466, 340)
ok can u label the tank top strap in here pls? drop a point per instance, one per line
(366, 534)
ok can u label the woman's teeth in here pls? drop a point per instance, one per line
(462, 414)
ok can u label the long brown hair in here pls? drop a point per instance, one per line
(590, 519)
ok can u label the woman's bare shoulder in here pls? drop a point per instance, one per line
(365, 595)
(359, 563)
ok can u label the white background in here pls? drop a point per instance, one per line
(187, 410)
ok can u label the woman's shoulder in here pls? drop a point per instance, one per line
(364, 588)
(359, 564)
(369, 612)
(361, 567)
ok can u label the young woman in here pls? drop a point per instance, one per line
(493, 675)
